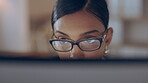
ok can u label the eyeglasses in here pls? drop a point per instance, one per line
(90, 44)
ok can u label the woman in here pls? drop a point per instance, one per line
(80, 29)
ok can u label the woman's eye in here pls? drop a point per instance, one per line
(61, 38)
(91, 41)
(90, 38)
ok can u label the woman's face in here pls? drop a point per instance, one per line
(79, 26)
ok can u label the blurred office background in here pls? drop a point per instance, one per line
(25, 28)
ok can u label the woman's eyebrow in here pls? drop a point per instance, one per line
(89, 32)
(61, 33)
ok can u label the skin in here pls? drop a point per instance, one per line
(78, 26)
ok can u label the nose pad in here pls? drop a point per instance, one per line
(76, 53)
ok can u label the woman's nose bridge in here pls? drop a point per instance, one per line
(76, 52)
(75, 43)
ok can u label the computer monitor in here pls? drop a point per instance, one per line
(26, 70)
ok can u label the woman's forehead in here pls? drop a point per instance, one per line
(79, 21)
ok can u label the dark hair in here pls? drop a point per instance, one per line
(96, 7)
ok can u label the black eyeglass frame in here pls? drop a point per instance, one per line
(76, 43)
